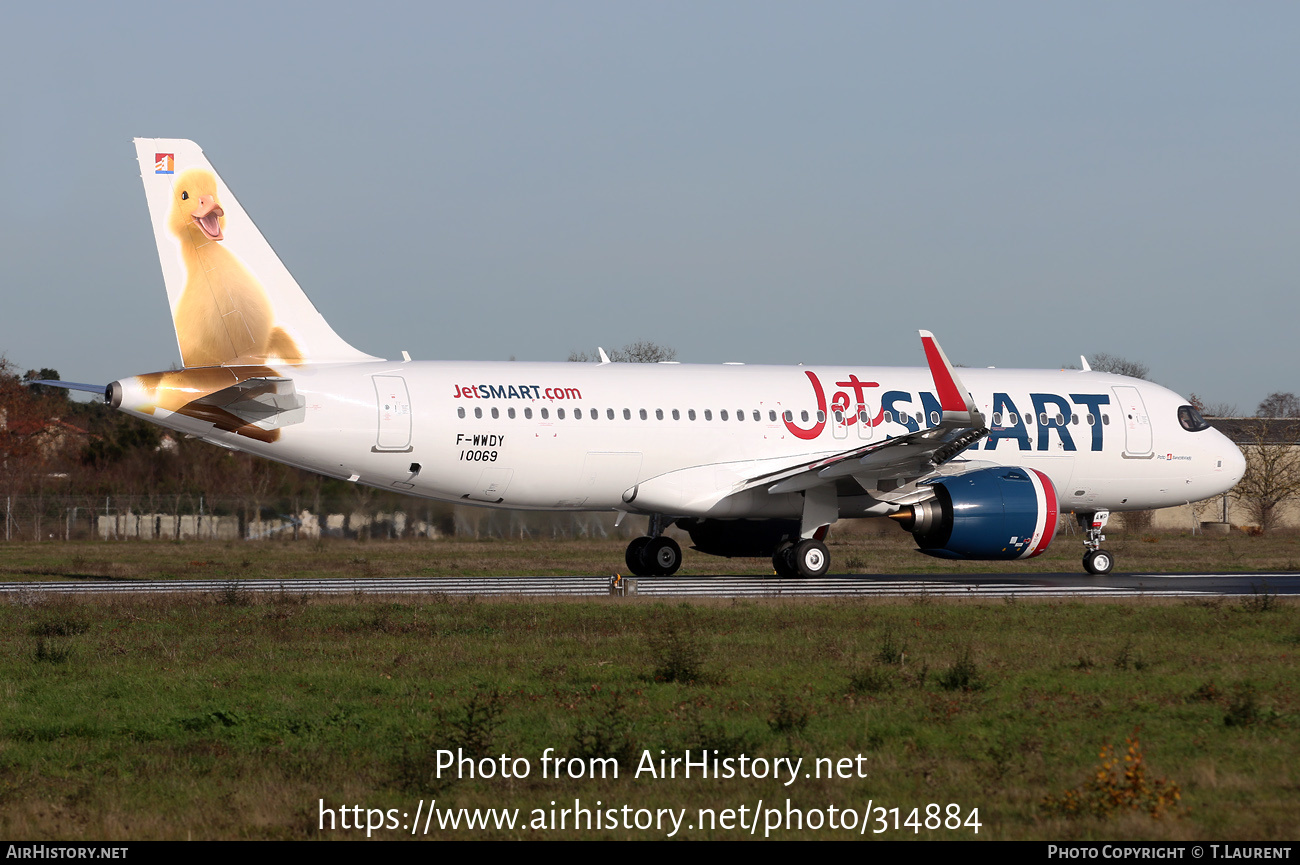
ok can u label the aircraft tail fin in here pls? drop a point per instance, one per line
(232, 300)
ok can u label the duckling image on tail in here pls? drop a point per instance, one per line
(224, 314)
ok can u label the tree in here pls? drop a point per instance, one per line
(1113, 363)
(1212, 409)
(1279, 405)
(1272, 475)
(45, 374)
(641, 351)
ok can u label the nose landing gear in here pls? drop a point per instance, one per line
(1096, 561)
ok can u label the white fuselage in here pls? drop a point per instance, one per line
(584, 436)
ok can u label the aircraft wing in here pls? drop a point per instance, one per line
(905, 458)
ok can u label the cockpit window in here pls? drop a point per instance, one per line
(1191, 419)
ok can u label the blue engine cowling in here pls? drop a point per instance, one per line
(998, 513)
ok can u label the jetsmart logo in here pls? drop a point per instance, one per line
(514, 391)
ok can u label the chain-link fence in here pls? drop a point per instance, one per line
(172, 518)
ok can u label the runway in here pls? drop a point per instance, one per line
(878, 585)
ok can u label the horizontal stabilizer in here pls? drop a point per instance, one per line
(268, 403)
(100, 389)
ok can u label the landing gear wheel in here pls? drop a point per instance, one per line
(782, 563)
(1098, 562)
(810, 558)
(662, 557)
(635, 557)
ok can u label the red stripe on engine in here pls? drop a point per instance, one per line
(1051, 512)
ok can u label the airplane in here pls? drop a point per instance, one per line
(747, 460)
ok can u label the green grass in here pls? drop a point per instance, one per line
(861, 546)
(230, 717)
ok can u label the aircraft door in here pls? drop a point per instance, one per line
(1137, 425)
(394, 405)
(864, 426)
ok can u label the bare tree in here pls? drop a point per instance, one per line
(1279, 405)
(1272, 475)
(1213, 409)
(641, 351)
(1113, 363)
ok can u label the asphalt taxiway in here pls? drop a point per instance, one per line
(975, 585)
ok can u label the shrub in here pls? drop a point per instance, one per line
(677, 650)
(789, 715)
(607, 733)
(1109, 791)
(963, 675)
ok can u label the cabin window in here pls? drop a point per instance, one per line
(627, 414)
(691, 414)
(1060, 420)
(789, 415)
(559, 413)
(887, 417)
(723, 414)
(803, 416)
(1090, 419)
(708, 414)
(1012, 420)
(528, 413)
(839, 416)
(862, 416)
(677, 415)
(496, 414)
(460, 412)
(920, 418)
(643, 414)
(771, 415)
(740, 415)
(821, 417)
(478, 412)
(1074, 420)
(1105, 420)
(934, 418)
(659, 414)
(609, 413)
(758, 415)
(595, 413)
(545, 414)
(997, 418)
(510, 413)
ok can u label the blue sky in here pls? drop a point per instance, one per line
(763, 182)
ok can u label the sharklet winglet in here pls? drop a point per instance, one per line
(946, 383)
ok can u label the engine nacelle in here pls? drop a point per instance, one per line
(996, 513)
(739, 538)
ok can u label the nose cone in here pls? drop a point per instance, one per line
(1234, 463)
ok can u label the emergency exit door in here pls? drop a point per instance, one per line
(394, 405)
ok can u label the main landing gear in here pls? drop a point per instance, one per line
(654, 555)
(805, 558)
(1096, 561)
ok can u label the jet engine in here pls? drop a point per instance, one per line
(739, 538)
(992, 513)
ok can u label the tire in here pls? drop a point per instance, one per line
(635, 557)
(1098, 562)
(810, 558)
(662, 557)
(782, 563)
